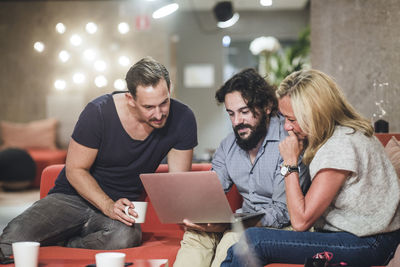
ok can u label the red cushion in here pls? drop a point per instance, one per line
(49, 176)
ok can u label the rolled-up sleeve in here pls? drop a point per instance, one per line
(219, 166)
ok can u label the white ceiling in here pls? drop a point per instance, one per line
(243, 4)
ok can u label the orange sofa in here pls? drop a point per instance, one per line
(160, 241)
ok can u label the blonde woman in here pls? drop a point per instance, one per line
(353, 200)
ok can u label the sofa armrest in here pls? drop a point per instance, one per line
(48, 179)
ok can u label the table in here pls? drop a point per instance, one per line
(74, 257)
(84, 262)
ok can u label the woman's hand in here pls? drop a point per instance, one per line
(290, 149)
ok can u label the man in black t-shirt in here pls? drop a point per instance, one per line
(117, 137)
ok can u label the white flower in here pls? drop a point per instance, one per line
(268, 44)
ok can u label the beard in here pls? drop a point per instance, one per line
(257, 132)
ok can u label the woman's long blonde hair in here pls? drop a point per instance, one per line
(319, 105)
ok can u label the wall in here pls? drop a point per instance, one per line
(357, 42)
(26, 82)
(27, 77)
(201, 43)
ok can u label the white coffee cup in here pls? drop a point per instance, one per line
(110, 259)
(26, 254)
(141, 208)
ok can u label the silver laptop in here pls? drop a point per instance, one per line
(197, 196)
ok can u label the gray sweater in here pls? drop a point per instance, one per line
(368, 202)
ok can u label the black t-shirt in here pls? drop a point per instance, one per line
(120, 158)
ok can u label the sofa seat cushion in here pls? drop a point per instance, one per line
(44, 158)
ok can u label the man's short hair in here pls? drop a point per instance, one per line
(145, 72)
(255, 90)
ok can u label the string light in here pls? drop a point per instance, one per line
(60, 28)
(75, 40)
(38, 46)
(64, 56)
(123, 28)
(91, 27)
(60, 84)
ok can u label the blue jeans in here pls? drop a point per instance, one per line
(266, 246)
(68, 220)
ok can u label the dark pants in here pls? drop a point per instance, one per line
(264, 246)
(68, 220)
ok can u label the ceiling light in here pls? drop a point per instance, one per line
(38, 46)
(100, 65)
(223, 12)
(91, 27)
(266, 2)
(123, 27)
(78, 78)
(60, 85)
(64, 56)
(89, 54)
(100, 81)
(124, 61)
(165, 10)
(60, 28)
(120, 84)
(76, 40)
(230, 22)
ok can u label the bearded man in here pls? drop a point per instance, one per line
(249, 158)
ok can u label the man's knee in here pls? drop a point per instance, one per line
(201, 239)
(197, 249)
(124, 237)
(229, 238)
(12, 233)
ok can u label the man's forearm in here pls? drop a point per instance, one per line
(88, 188)
(180, 160)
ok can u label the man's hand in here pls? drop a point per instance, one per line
(290, 149)
(116, 211)
(206, 227)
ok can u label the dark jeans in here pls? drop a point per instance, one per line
(68, 220)
(266, 246)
